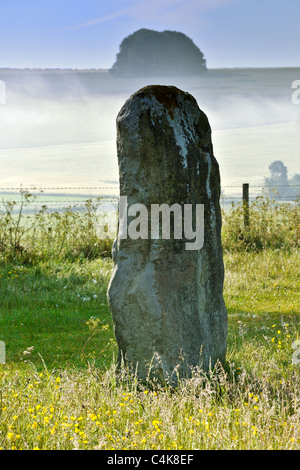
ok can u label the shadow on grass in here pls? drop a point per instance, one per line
(49, 309)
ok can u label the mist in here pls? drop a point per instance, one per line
(58, 129)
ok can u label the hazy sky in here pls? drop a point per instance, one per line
(87, 33)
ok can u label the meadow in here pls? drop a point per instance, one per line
(59, 389)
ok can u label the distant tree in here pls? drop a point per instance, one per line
(148, 53)
(278, 174)
(295, 180)
(285, 188)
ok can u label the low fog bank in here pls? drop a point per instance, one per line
(231, 98)
(59, 126)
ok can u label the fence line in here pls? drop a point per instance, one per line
(21, 188)
(83, 201)
(36, 188)
(243, 197)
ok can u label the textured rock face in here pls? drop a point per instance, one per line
(166, 300)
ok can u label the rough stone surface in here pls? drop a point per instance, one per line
(167, 302)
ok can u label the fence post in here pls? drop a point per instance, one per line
(246, 206)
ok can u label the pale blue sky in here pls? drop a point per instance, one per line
(87, 33)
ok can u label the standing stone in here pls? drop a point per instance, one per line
(166, 301)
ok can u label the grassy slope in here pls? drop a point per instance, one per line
(47, 306)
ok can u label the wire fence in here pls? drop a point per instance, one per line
(97, 188)
(60, 197)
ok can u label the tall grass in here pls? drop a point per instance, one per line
(273, 225)
(59, 387)
(69, 234)
(67, 409)
(72, 233)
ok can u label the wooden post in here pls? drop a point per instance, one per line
(246, 206)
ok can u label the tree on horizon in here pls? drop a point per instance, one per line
(148, 53)
(285, 188)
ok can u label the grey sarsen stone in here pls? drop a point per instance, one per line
(166, 301)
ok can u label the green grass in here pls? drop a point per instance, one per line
(63, 394)
(264, 282)
(48, 306)
(58, 388)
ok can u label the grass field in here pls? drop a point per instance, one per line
(58, 388)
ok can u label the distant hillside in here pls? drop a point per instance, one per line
(215, 85)
(52, 71)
